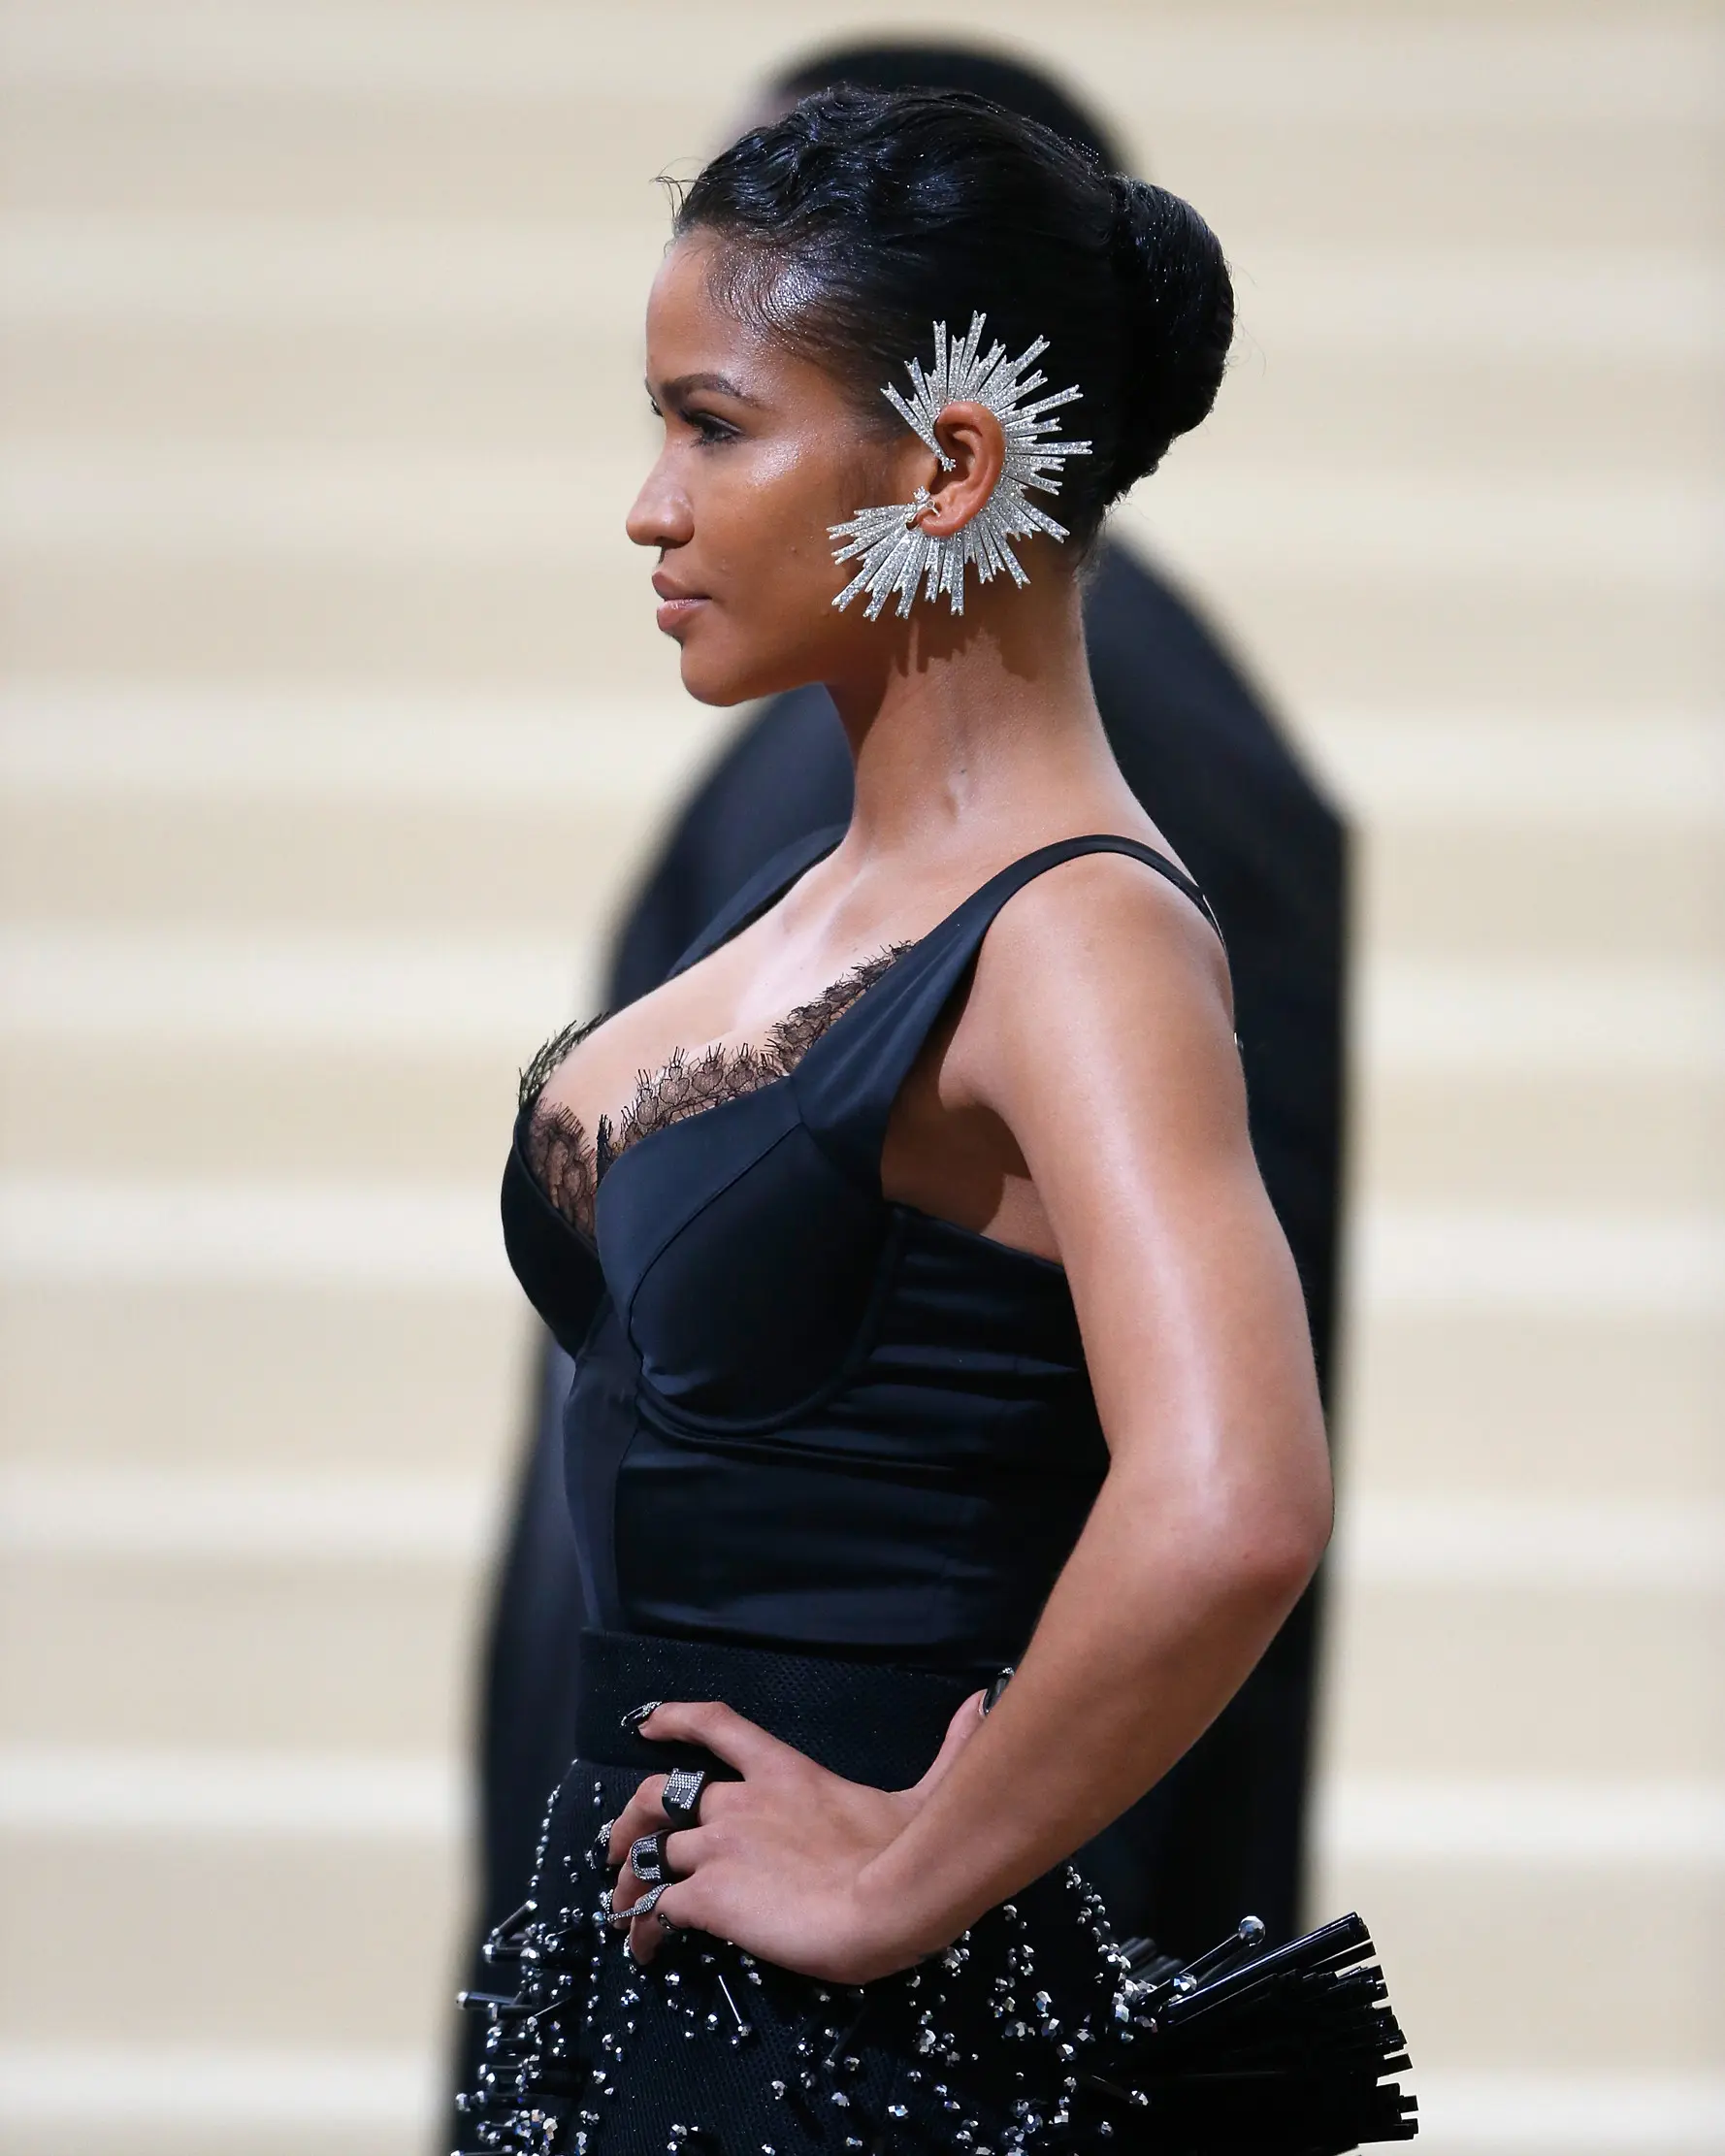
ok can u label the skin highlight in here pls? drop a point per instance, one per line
(1081, 1101)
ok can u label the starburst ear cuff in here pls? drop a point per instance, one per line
(897, 553)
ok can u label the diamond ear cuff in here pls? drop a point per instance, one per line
(897, 554)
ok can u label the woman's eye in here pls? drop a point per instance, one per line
(709, 428)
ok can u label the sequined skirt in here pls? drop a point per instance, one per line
(1030, 2033)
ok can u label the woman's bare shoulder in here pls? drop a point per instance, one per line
(1101, 978)
(1103, 920)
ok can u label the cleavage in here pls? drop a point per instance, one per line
(569, 1165)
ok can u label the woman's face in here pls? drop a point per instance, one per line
(763, 453)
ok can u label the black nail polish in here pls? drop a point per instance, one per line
(636, 1715)
(997, 1686)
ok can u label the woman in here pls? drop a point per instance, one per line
(931, 1325)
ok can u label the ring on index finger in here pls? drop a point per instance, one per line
(681, 1800)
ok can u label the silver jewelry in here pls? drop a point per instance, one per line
(681, 1801)
(649, 1861)
(645, 1907)
(896, 552)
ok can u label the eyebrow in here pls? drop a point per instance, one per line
(720, 385)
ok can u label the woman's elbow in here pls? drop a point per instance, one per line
(1278, 1542)
(1264, 1534)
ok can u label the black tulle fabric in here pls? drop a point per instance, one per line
(806, 1418)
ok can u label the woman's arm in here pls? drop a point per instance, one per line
(1099, 1030)
(1098, 1033)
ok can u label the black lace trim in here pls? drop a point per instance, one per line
(557, 1050)
(570, 1170)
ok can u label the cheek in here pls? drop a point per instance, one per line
(772, 517)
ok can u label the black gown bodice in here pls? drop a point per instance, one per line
(802, 1413)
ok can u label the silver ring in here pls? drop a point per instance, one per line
(649, 1861)
(681, 1801)
(645, 1907)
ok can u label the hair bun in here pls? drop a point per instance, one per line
(1177, 321)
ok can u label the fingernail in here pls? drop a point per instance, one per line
(997, 1686)
(636, 1715)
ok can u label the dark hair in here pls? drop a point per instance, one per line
(897, 64)
(861, 218)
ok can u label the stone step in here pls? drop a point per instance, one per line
(230, 1935)
(346, 1625)
(1619, 147)
(225, 1110)
(1551, 1964)
(149, 1106)
(1553, 63)
(1571, 897)
(304, 1365)
(1530, 1140)
(345, 1652)
(325, 1937)
(517, 627)
(197, 504)
(235, 1373)
(269, 2099)
(1447, 1674)
(475, 334)
(134, 2099)
(1529, 1402)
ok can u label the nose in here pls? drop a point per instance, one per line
(661, 516)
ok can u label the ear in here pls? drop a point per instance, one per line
(972, 437)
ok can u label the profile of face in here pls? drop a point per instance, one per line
(764, 450)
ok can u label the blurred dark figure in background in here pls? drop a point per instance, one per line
(1224, 1832)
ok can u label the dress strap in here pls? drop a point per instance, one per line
(765, 889)
(847, 1083)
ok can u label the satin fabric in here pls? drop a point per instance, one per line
(801, 1413)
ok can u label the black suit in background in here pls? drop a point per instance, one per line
(1223, 1834)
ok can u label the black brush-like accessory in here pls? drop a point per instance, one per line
(1254, 2052)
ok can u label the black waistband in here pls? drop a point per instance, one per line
(869, 1721)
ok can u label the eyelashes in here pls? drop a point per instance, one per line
(710, 430)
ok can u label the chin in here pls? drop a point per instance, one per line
(728, 677)
(714, 685)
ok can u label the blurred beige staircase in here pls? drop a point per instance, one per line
(332, 720)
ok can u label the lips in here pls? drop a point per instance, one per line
(676, 604)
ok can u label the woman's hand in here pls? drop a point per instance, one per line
(776, 1862)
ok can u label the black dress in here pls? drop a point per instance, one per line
(825, 1455)
(1224, 1830)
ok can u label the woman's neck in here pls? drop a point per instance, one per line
(982, 722)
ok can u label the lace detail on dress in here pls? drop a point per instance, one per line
(556, 1051)
(570, 1170)
(557, 1149)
